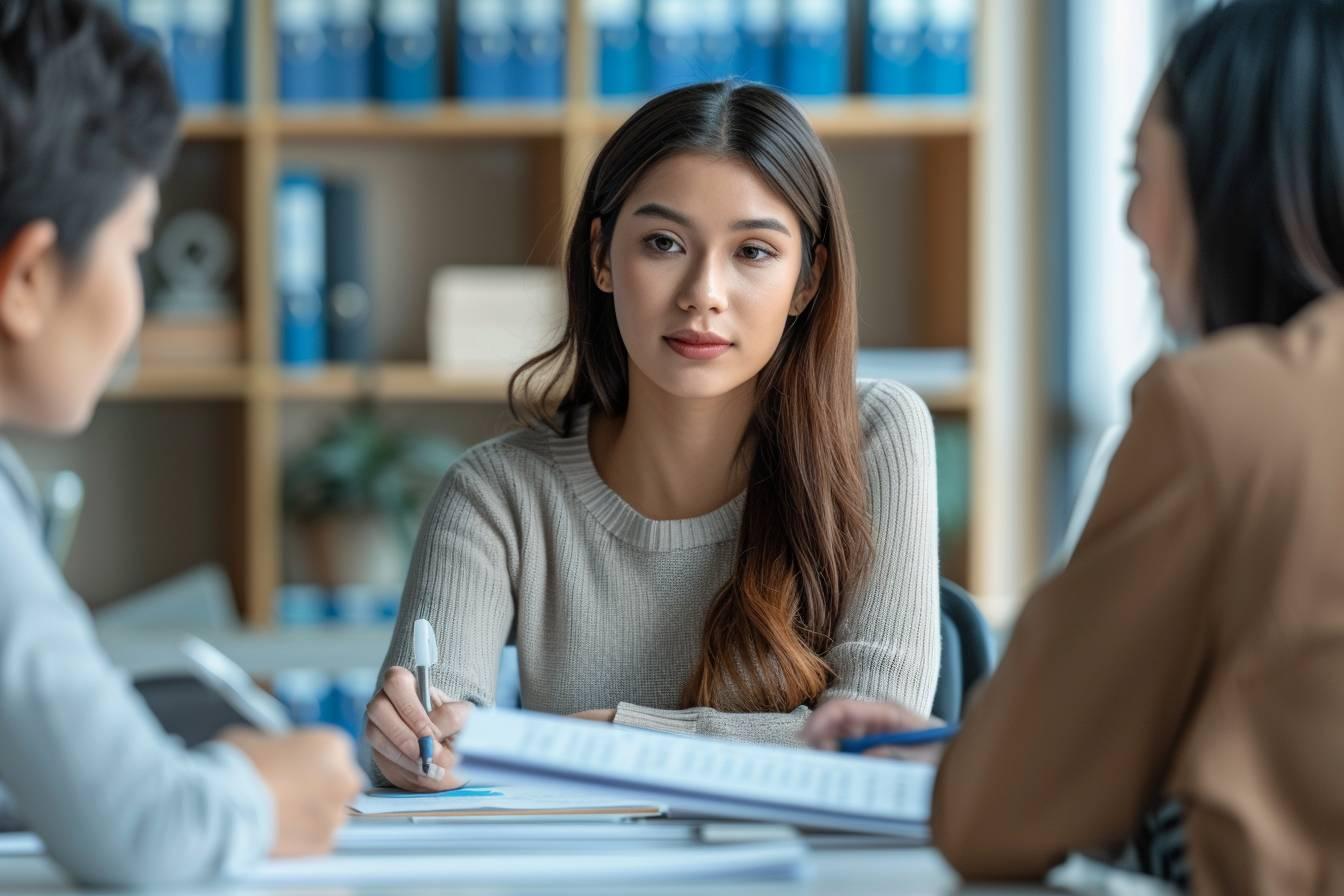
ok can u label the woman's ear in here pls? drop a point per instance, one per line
(808, 291)
(29, 281)
(601, 258)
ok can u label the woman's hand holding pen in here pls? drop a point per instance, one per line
(837, 720)
(396, 722)
(312, 776)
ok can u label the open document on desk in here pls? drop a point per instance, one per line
(700, 775)
(489, 800)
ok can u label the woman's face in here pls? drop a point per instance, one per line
(1161, 217)
(703, 268)
(82, 321)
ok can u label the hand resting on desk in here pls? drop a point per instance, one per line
(312, 776)
(839, 719)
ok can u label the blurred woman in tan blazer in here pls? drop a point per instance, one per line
(1193, 649)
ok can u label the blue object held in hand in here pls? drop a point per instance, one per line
(899, 739)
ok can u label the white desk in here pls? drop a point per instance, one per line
(851, 872)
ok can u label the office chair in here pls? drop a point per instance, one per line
(967, 653)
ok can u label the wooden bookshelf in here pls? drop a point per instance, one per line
(446, 121)
(222, 125)
(851, 118)
(977, 232)
(385, 382)
(184, 383)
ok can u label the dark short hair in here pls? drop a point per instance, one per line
(86, 110)
(1255, 90)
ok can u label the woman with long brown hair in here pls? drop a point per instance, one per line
(706, 526)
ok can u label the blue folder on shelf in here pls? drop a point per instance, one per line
(300, 44)
(538, 57)
(895, 47)
(200, 51)
(720, 40)
(949, 33)
(300, 262)
(484, 51)
(152, 22)
(816, 58)
(349, 51)
(235, 70)
(762, 26)
(617, 29)
(348, 307)
(408, 51)
(673, 45)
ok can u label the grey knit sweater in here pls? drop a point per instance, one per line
(608, 605)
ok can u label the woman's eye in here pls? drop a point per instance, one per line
(661, 243)
(756, 253)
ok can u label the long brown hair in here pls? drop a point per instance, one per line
(805, 536)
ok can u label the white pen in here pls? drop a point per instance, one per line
(426, 655)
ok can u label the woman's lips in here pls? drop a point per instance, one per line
(697, 347)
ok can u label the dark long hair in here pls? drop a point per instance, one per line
(805, 536)
(1255, 91)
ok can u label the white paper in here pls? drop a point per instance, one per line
(469, 834)
(494, 798)
(783, 860)
(21, 843)
(692, 774)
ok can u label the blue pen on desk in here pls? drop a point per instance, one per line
(899, 739)
(426, 655)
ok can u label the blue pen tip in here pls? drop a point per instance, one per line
(426, 754)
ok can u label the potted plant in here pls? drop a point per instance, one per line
(356, 496)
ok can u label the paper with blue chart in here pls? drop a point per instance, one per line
(476, 800)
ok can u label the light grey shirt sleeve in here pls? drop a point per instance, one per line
(115, 800)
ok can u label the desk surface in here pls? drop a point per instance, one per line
(854, 872)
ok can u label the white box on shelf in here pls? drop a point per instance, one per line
(486, 321)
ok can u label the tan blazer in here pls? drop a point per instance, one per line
(1194, 647)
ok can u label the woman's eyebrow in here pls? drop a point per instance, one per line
(762, 224)
(657, 210)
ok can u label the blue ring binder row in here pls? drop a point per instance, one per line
(322, 275)
(912, 48)
(394, 51)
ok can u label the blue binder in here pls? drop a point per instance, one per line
(349, 56)
(895, 47)
(200, 51)
(235, 68)
(348, 306)
(300, 261)
(762, 28)
(618, 39)
(815, 47)
(484, 50)
(674, 45)
(948, 39)
(300, 50)
(538, 59)
(720, 42)
(408, 51)
(152, 21)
